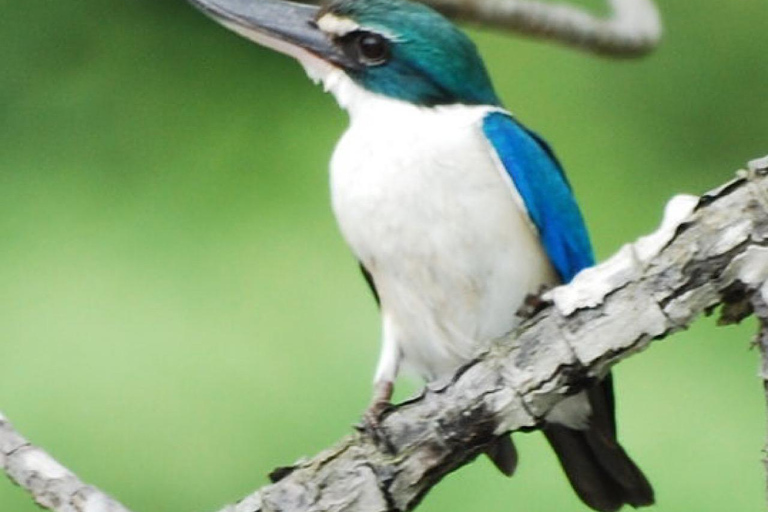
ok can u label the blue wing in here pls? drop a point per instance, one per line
(541, 183)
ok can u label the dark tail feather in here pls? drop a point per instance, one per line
(612, 457)
(503, 454)
(599, 469)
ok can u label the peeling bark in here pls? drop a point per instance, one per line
(709, 251)
(759, 305)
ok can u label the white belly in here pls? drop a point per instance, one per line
(421, 201)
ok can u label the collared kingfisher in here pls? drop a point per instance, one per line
(455, 211)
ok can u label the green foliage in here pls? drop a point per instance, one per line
(179, 314)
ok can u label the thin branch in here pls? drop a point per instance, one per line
(632, 29)
(709, 251)
(51, 485)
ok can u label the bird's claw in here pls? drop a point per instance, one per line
(370, 424)
(372, 415)
(380, 404)
(533, 303)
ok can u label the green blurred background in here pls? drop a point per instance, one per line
(179, 314)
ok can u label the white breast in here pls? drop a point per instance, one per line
(422, 201)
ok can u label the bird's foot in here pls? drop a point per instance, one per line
(533, 303)
(372, 415)
(380, 403)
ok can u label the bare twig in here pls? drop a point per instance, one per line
(51, 485)
(709, 251)
(633, 28)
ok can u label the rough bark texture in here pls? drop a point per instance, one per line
(631, 29)
(761, 340)
(709, 251)
(760, 306)
(51, 485)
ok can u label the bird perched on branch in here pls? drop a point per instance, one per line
(455, 210)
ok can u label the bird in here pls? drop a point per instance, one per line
(454, 209)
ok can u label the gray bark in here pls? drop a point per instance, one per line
(631, 29)
(709, 251)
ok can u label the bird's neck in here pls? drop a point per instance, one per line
(373, 109)
(361, 103)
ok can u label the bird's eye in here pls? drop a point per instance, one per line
(373, 48)
(366, 48)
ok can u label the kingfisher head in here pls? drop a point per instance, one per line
(389, 48)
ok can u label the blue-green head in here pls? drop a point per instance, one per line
(396, 48)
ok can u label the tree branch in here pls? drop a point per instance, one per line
(51, 485)
(709, 251)
(632, 29)
(759, 304)
(761, 340)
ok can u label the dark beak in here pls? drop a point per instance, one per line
(287, 27)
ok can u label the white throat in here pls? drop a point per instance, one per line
(350, 96)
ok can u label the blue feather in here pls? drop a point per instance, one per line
(541, 183)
